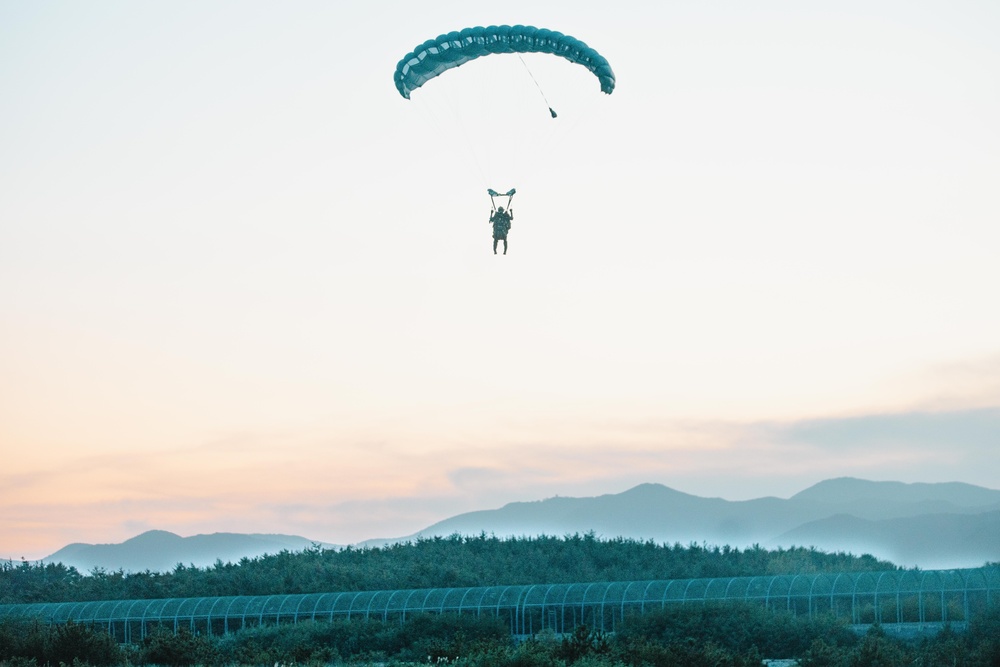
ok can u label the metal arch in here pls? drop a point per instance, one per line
(767, 595)
(855, 615)
(277, 616)
(709, 593)
(663, 598)
(725, 593)
(500, 598)
(545, 598)
(685, 598)
(197, 602)
(302, 599)
(315, 606)
(423, 605)
(562, 619)
(113, 615)
(72, 610)
(263, 608)
(145, 611)
(444, 598)
(447, 603)
(388, 603)
(878, 584)
(921, 610)
(95, 609)
(812, 588)
(512, 608)
(56, 610)
(645, 593)
(940, 591)
(583, 603)
(833, 591)
(461, 602)
(173, 604)
(333, 607)
(243, 618)
(990, 576)
(225, 616)
(350, 609)
(966, 589)
(607, 588)
(128, 617)
(625, 595)
(523, 606)
(211, 612)
(906, 583)
(984, 586)
(182, 612)
(406, 603)
(479, 605)
(76, 611)
(791, 586)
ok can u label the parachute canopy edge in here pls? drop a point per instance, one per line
(450, 50)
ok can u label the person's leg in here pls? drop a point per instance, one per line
(505, 245)
(495, 246)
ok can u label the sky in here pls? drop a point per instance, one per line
(246, 287)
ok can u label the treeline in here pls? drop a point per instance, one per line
(427, 563)
(724, 635)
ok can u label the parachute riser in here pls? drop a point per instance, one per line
(494, 194)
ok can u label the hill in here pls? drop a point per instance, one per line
(926, 525)
(160, 550)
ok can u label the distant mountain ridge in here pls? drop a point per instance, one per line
(927, 525)
(160, 551)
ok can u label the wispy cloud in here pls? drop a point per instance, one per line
(345, 491)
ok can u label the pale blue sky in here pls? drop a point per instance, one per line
(246, 286)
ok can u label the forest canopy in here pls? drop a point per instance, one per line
(437, 562)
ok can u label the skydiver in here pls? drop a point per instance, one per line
(500, 220)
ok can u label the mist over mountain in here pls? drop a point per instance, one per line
(927, 525)
(930, 541)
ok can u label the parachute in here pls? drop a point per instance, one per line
(436, 56)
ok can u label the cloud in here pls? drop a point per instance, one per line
(962, 432)
(346, 491)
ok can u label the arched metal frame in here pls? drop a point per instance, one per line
(886, 597)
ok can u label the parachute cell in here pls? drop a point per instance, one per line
(436, 56)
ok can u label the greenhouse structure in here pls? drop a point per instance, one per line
(918, 597)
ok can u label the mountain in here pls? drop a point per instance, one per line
(926, 525)
(159, 550)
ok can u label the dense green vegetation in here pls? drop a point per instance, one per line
(430, 563)
(731, 635)
(726, 635)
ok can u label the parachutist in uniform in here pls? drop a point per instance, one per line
(500, 219)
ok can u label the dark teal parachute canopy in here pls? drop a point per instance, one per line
(439, 55)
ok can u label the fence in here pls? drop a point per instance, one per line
(888, 597)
